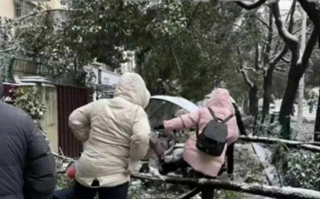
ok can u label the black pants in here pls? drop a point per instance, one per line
(230, 161)
(81, 192)
(207, 190)
(173, 166)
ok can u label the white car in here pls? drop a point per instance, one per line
(162, 107)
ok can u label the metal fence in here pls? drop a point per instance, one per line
(69, 99)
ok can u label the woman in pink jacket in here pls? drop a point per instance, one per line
(220, 103)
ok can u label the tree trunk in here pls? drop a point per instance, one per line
(317, 124)
(253, 100)
(267, 90)
(288, 101)
(245, 108)
(297, 70)
(256, 189)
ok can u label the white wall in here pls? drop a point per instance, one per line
(7, 7)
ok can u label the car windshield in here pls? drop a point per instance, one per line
(160, 110)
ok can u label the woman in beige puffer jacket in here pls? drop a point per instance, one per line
(115, 134)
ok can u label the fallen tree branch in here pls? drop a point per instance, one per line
(310, 146)
(62, 157)
(189, 194)
(289, 143)
(8, 50)
(256, 189)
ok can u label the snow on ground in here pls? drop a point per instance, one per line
(248, 168)
(305, 133)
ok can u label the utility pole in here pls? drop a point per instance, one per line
(301, 83)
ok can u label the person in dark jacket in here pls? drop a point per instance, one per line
(230, 149)
(27, 166)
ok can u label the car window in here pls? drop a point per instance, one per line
(158, 111)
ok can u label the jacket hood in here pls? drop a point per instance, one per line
(220, 98)
(132, 87)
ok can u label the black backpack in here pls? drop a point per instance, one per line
(213, 138)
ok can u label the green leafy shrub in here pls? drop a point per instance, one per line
(27, 98)
(297, 168)
(269, 125)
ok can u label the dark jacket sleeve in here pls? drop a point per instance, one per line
(40, 169)
(239, 120)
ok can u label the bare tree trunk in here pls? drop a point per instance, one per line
(267, 81)
(245, 106)
(290, 92)
(253, 100)
(317, 124)
(312, 9)
(297, 69)
(267, 86)
(299, 63)
(253, 89)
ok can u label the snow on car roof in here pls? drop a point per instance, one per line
(182, 102)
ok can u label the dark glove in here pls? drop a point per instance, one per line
(159, 127)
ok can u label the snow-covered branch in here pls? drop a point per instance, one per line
(62, 157)
(240, 68)
(37, 13)
(252, 5)
(250, 69)
(288, 143)
(281, 69)
(279, 56)
(193, 14)
(310, 146)
(309, 49)
(263, 22)
(285, 60)
(8, 50)
(189, 194)
(291, 40)
(254, 188)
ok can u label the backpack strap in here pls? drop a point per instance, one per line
(212, 114)
(228, 118)
(215, 118)
(222, 121)
(197, 131)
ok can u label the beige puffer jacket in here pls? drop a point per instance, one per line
(114, 132)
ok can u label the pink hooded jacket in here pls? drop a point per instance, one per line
(222, 107)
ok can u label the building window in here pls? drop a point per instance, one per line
(23, 8)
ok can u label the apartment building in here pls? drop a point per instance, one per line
(129, 64)
(17, 8)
